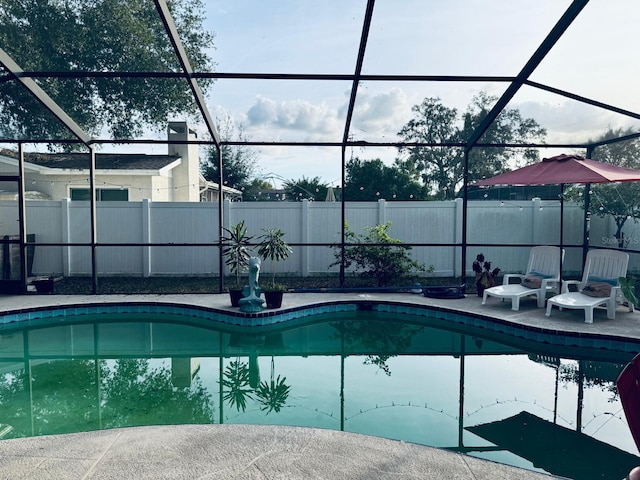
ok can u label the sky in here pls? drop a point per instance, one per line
(596, 58)
(448, 37)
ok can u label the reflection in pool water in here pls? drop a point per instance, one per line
(399, 377)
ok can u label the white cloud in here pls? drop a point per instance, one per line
(572, 121)
(381, 115)
(378, 116)
(264, 111)
(300, 115)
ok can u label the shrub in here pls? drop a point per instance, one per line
(376, 255)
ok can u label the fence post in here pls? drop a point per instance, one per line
(304, 254)
(457, 237)
(226, 213)
(536, 227)
(146, 237)
(66, 234)
(382, 211)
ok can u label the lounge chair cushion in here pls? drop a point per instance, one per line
(534, 279)
(599, 286)
(597, 289)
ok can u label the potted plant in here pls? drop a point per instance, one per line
(485, 276)
(272, 246)
(236, 256)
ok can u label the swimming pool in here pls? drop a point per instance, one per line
(418, 378)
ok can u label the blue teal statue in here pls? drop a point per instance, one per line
(251, 301)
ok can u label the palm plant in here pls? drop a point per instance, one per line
(236, 249)
(272, 246)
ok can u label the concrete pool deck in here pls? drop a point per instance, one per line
(270, 452)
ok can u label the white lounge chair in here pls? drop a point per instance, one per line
(542, 275)
(599, 285)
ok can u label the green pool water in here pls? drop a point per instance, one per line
(400, 377)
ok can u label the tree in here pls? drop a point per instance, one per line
(620, 200)
(238, 161)
(370, 180)
(257, 191)
(306, 189)
(441, 168)
(99, 36)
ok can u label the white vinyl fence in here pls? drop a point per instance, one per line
(431, 224)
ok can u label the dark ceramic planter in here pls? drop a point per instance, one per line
(235, 295)
(274, 298)
(43, 286)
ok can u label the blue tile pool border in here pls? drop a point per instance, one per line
(446, 316)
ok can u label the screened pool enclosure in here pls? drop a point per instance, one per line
(95, 96)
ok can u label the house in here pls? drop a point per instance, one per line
(174, 177)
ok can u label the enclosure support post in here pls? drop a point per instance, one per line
(146, 237)
(22, 219)
(94, 228)
(66, 236)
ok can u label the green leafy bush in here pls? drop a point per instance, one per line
(378, 256)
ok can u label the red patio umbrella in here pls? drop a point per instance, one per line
(563, 169)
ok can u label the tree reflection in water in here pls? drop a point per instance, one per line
(61, 391)
(386, 338)
(83, 395)
(135, 394)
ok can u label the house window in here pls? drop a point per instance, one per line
(102, 194)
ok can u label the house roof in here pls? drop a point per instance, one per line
(104, 161)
